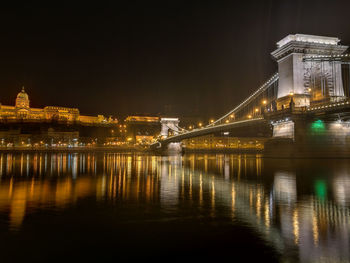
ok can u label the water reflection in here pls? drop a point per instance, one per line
(300, 208)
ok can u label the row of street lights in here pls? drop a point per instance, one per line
(264, 102)
(200, 124)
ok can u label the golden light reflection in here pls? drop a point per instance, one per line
(239, 168)
(213, 196)
(1, 164)
(200, 189)
(267, 213)
(21, 172)
(258, 204)
(296, 226)
(17, 208)
(258, 165)
(315, 229)
(250, 198)
(183, 184)
(233, 197)
(190, 190)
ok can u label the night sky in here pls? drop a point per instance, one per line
(192, 58)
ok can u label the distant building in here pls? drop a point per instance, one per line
(211, 142)
(23, 111)
(142, 119)
(141, 129)
(21, 125)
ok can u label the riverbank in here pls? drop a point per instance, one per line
(75, 149)
(225, 150)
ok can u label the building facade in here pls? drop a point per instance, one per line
(22, 111)
(142, 129)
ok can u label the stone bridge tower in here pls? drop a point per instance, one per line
(169, 126)
(308, 81)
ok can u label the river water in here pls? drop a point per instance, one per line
(111, 206)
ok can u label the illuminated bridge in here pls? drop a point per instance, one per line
(308, 96)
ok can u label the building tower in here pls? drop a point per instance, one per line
(22, 105)
(22, 100)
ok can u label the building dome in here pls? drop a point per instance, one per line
(23, 95)
(22, 100)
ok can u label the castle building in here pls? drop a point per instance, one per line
(23, 111)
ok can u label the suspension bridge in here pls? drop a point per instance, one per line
(309, 95)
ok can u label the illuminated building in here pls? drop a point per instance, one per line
(23, 111)
(23, 126)
(141, 129)
(146, 119)
(212, 142)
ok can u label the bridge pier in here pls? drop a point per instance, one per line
(174, 148)
(167, 148)
(309, 135)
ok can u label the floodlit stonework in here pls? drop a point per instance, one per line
(308, 80)
(23, 111)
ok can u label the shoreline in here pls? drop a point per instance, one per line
(263, 153)
(74, 149)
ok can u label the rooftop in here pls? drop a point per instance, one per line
(308, 39)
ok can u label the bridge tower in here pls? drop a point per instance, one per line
(307, 81)
(169, 125)
(307, 76)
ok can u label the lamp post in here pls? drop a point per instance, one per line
(256, 111)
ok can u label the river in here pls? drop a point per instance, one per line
(126, 206)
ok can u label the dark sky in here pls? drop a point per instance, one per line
(128, 57)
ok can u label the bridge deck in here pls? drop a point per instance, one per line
(211, 129)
